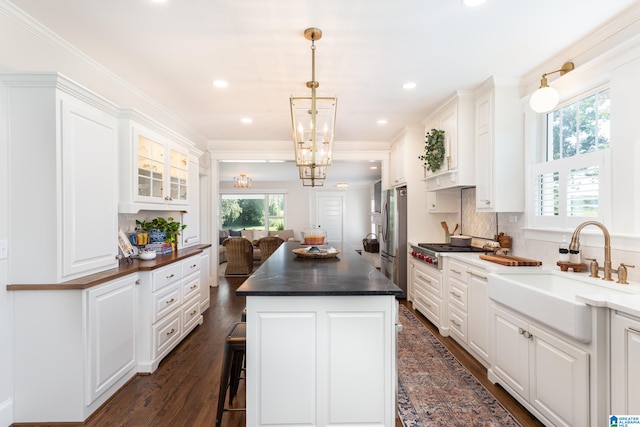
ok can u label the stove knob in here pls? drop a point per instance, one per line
(430, 260)
(420, 256)
(413, 254)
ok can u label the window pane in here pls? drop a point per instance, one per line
(582, 192)
(603, 106)
(587, 124)
(243, 211)
(569, 136)
(547, 197)
(553, 142)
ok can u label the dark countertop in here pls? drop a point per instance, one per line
(286, 274)
(122, 270)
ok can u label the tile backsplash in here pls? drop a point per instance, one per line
(482, 225)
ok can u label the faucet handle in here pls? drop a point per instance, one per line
(622, 273)
(593, 267)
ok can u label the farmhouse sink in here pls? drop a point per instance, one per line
(549, 297)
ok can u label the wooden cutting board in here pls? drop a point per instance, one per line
(511, 260)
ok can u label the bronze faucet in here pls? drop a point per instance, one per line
(575, 245)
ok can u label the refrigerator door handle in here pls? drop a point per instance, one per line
(385, 222)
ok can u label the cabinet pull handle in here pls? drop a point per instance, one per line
(138, 281)
(193, 313)
(170, 276)
(457, 295)
(170, 301)
(171, 332)
(194, 266)
(454, 271)
(522, 331)
(477, 274)
(424, 302)
(528, 334)
(636, 330)
(455, 322)
(426, 279)
(486, 202)
(193, 286)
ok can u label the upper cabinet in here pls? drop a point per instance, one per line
(62, 191)
(455, 116)
(154, 167)
(499, 147)
(397, 163)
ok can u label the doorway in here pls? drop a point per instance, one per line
(330, 215)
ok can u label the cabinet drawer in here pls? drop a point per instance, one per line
(428, 283)
(458, 324)
(458, 294)
(167, 333)
(190, 286)
(191, 265)
(429, 306)
(165, 276)
(190, 313)
(165, 301)
(456, 270)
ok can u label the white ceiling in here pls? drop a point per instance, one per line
(172, 52)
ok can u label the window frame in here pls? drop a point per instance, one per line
(540, 163)
(266, 194)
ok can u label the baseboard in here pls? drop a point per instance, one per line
(6, 412)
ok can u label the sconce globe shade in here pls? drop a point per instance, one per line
(544, 99)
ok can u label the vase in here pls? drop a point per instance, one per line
(157, 236)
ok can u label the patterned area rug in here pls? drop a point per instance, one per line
(434, 389)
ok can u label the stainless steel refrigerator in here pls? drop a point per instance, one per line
(393, 245)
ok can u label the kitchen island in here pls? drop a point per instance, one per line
(321, 342)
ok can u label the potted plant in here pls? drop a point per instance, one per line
(162, 230)
(433, 150)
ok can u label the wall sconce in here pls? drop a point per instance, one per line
(242, 181)
(546, 98)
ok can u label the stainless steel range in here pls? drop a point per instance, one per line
(429, 253)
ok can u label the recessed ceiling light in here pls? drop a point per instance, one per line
(220, 83)
(373, 167)
(409, 85)
(246, 120)
(472, 3)
(382, 121)
(158, 1)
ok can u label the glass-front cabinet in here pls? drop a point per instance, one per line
(154, 172)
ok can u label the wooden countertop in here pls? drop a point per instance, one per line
(122, 270)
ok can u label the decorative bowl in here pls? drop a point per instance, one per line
(147, 255)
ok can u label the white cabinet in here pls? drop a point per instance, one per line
(74, 349)
(478, 310)
(499, 147)
(456, 117)
(625, 364)
(445, 201)
(66, 138)
(397, 163)
(468, 302)
(191, 234)
(169, 306)
(321, 360)
(428, 293)
(154, 166)
(206, 279)
(541, 369)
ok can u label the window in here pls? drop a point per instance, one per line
(569, 187)
(252, 211)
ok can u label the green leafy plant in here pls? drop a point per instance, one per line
(433, 150)
(171, 227)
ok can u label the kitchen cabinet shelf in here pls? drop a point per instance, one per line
(456, 117)
(156, 170)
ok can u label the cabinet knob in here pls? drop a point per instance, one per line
(137, 282)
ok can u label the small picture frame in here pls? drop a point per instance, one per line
(125, 245)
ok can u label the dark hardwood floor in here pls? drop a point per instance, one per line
(184, 389)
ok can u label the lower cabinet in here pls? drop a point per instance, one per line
(545, 372)
(468, 303)
(625, 364)
(169, 308)
(427, 293)
(74, 347)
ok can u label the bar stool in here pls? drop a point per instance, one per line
(232, 362)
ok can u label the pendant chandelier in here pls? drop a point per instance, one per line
(313, 126)
(242, 181)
